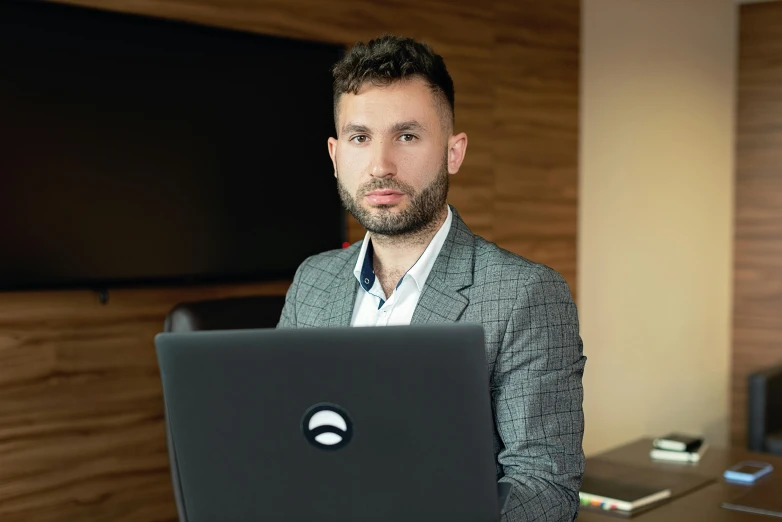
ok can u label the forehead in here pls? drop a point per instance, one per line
(375, 105)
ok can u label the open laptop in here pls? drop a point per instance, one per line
(341, 424)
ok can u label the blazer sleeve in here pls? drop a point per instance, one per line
(288, 316)
(537, 396)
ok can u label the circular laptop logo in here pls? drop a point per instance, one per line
(327, 426)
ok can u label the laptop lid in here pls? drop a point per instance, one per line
(339, 424)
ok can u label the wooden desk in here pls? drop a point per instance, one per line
(701, 504)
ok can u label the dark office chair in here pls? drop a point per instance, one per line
(764, 411)
(235, 313)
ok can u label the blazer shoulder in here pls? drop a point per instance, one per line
(493, 263)
(331, 262)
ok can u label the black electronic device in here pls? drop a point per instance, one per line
(138, 150)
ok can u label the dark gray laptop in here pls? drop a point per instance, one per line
(318, 425)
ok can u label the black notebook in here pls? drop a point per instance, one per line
(678, 442)
(614, 495)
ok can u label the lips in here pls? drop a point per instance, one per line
(384, 197)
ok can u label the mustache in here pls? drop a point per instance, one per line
(385, 184)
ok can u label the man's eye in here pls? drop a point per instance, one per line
(408, 137)
(359, 139)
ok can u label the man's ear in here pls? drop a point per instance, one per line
(333, 153)
(457, 149)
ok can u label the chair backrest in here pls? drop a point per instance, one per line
(764, 408)
(234, 313)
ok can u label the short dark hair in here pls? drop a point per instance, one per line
(387, 59)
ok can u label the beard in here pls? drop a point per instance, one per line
(422, 212)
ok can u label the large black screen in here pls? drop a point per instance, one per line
(137, 150)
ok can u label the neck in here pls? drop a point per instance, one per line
(396, 254)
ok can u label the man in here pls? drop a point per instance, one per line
(419, 263)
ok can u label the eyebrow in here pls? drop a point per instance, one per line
(355, 127)
(402, 126)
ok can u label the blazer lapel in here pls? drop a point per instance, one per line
(338, 309)
(439, 303)
(441, 300)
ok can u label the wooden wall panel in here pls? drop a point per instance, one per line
(536, 125)
(757, 311)
(81, 418)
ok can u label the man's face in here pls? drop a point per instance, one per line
(393, 156)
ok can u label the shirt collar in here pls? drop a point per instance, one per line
(419, 272)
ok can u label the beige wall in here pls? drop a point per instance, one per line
(655, 216)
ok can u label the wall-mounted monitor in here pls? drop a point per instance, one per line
(136, 150)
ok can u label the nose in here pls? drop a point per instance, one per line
(383, 165)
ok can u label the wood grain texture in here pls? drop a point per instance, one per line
(81, 415)
(536, 125)
(757, 311)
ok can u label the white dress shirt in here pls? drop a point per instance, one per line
(373, 307)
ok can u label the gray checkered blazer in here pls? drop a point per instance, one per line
(533, 351)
